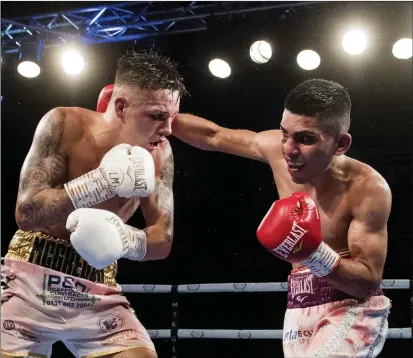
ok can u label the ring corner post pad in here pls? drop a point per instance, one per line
(174, 323)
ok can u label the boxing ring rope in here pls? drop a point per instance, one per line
(174, 333)
(393, 333)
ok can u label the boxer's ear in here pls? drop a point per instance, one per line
(343, 144)
(120, 106)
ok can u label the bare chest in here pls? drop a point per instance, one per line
(335, 223)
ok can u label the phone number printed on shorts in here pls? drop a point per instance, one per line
(68, 304)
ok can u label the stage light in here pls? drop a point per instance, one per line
(28, 69)
(402, 49)
(260, 52)
(72, 61)
(29, 59)
(308, 60)
(354, 42)
(219, 68)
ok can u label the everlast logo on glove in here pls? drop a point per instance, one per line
(139, 167)
(291, 230)
(121, 231)
(285, 248)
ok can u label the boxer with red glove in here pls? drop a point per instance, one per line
(291, 231)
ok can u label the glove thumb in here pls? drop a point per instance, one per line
(124, 147)
(140, 152)
(113, 154)
(73, 220)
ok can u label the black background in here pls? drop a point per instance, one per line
(220, 199)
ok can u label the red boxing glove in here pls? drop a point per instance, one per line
(104, 99)
(291, 231)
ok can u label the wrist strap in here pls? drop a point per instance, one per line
(322, 261)
(135, 248)
(89, 189)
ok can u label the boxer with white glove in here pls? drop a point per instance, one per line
(125, 171)
(291, 231)
(100, 237)
(58, 187)
(104, 98)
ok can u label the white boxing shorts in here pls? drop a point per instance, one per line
(322, 322)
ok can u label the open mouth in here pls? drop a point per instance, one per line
(157, 143)
(295, 166)
(154, 145)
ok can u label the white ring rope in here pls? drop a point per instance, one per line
(240, 287)
(393, 333)
(147, 288)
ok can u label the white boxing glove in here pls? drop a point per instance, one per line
(125, 171)
(129, 170)
(100, 237)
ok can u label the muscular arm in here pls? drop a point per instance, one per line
(158, 211)
(41, 199)
(206, 135)
(367, 239)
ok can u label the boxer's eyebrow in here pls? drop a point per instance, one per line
(303, 132)
(158, 114)
(282, 129)
(306, 132)
(158, 111)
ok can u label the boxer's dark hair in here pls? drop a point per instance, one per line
(149, 70)
(327, 101)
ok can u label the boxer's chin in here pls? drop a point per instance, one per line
(298, 178)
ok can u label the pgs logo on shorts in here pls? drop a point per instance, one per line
(62, 283)
(66, 291)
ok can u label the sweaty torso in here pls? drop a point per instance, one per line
(334, 201)
(85, 141)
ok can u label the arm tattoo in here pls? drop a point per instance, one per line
(43, 169)
(47, 146)
(43, 209)
(164, 197)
